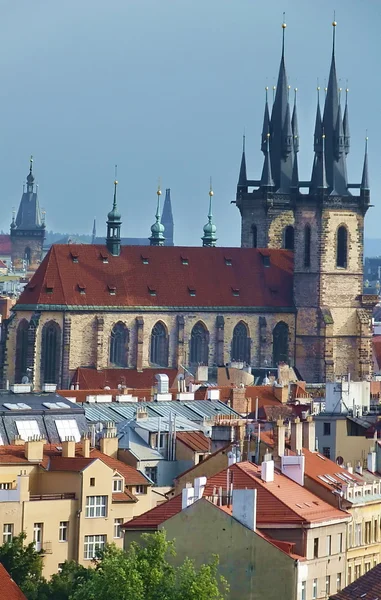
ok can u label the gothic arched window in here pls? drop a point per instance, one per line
(159, 345)
(240, 344)
(307, 246)
(289, 237)
(199, 345)
(280, 343)
(254, 234)
(50, 352)
(27, 255)
(342, 247)
(21, 350)
(119, 345)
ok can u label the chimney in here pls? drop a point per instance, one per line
(34, 449)
(85, 446)
(267, 471)
(199, 486)
(187, 497)
(309, 434)
(280, 392)
(279, 438)
(296, 436)
(18, 441)
(245, 507)
(371, 463)
(293, 467)
(109, 442)
(359, 468)
(68, 447)
(349, 468)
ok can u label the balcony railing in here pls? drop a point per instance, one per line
(67, 496)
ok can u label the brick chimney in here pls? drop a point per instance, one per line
(34, 449)
(279, 439)
(85, 451)
(68, 447)
(280, 392)
(296, 436)
(239, 402)
(309, 436)
(109, 441)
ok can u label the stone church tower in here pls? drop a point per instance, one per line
(28, 229)
(322, 221)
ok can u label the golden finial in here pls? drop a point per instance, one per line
(116, 175)
(274, 87)
(159, 187)
(334, 23)
(211, 189)
(295, 89)
(318, 88)
(284, 21)
(268, 134)
(323, 136)
(267, 88)
(289, 87)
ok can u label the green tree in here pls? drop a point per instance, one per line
(24, 564)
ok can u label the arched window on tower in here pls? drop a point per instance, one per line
(254, 235)
(342, 247)
(159, 345)
(240, 344)
(199, 345)
(280, 343)
(119, 345)
(21, 350)
(50, 352)
(289, 237)
(27, 256)
(307, 246)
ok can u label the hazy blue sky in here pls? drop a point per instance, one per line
(166, 88)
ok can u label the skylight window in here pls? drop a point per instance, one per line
(27, 429)
(68, 428)
(17, 406)
(55, 405)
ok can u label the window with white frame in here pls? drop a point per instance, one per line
(117, 528)
(27, 429)
(93, 543)
(64, 529)
(7, 532)
(5, 486)
(37, 536)
(117, 484)
(140, 489)
(68, 428)
(96, 506)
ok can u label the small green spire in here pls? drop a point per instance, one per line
(157, 230)
(209, 238)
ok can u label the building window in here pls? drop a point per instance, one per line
(329, 545)
(303, 594)
(254, 236)
(140, 489)
(316, 547)
(307, 246)
(358, 536)
(64, 527)
(342, 247)
(117, 484)
(367, 567)
(338, 582)
(7, 532)
(96, 506)
(340, 544)
(326, 428)
(117, 528)
(68, 428)
(289, 237)
(350, 536)
(375, 538)
(159, 346)
(37, 536)
(50, 352)
(327, 584)
(21, 351)
(357, 571)
(5, 486)
(92, 481)
(314, 589)
(349, 575)
(280, 343)
(93, 543)
(368, 529)
(151, 472)
(119, 345)
(240, 344)
(199, 345)
(327, 451)
(27, 429)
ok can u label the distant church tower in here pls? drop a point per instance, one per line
(167, 219)
(28, 230)
(323, 224)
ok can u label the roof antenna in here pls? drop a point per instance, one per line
(334, 24)
(283, 32)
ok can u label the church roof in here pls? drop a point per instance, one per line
(88, 276)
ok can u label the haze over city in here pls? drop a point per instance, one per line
(166, 89)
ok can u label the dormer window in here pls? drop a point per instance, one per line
(235, 292)
(145, 260)
(151, 291)
(111, 289)
(49, 287)
(192, 291)
(266, 260)
(82, 288)
(228, 261)
(117, 484)
(74, 256)
(184, 260)
(104, 258)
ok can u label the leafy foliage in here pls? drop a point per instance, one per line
(24, 565)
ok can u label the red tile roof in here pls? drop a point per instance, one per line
(206, 272)
(222, 450)
(367, 587)
(77, 464)
(279, 501)
(5, 244)
(195, 440)
(131, 476)
(9, 589)
(125, 496)
(91, 379)
(154, 517)
(317, 466)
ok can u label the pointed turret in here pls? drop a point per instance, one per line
(114, 223)
(294, 125)
(209, 238)
(94, 233)
(266, 179)
(365, 176)
(167, 219)
(266, 124)
(157, 230)
(339, 142)
(29, 213)
(318, 126)
(242, 180)
(347, 135)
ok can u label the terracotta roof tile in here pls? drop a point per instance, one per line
(9, 589)
(91, 379)
(125, 496)
(222, 450)
(131, 476)
(61, 463)
(259, 285)
(154, 517)
(317, 466)
(367, 587)
(195, 440)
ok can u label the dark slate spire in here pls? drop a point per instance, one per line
(114, 223)
(167, 219)
(266, 179)
(242, 180)
(294, 125)
(334, 135)
(266, 124)
(209, 238)
(157, 230)
(347, 134)
(365, 175)
(29, 213)
(318, 126)
(281, 134)
(94, 234)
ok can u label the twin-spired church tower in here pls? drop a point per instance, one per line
(322, 221)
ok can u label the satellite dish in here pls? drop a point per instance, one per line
(99, 427)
